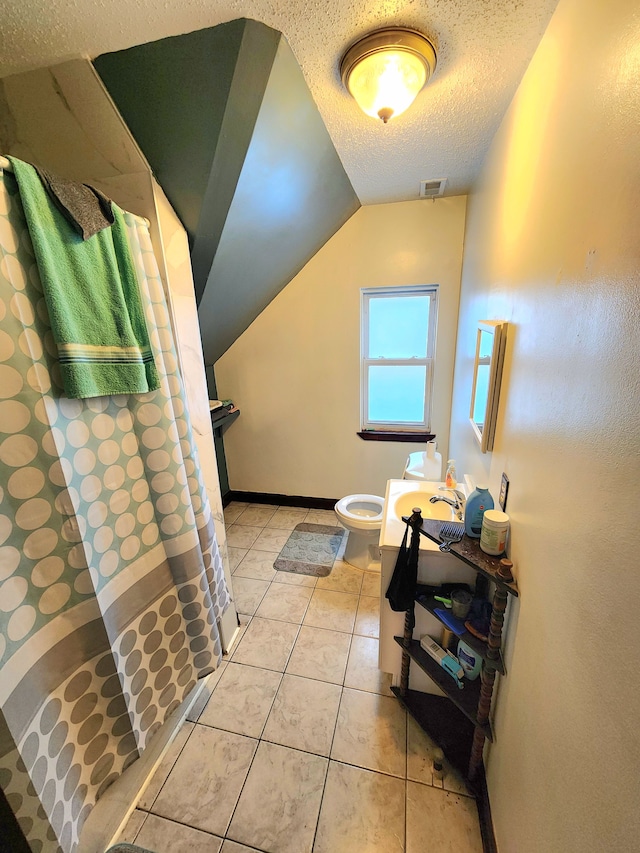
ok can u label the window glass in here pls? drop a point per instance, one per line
(398, 326)
(397, 393)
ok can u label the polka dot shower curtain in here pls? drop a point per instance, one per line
(111, 583)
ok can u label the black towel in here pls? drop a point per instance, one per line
(402, 587)
(85, 207)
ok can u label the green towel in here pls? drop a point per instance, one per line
(92, 294)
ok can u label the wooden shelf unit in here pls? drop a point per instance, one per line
(460, 731)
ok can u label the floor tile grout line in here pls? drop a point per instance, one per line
(146, 815)
(326, 775)
(180, 823)
(235, 808)
(273, 701)
(379, 772)
(259, 603)
(181, 750)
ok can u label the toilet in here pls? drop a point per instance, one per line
(362, 514)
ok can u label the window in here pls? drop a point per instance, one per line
(398, 347)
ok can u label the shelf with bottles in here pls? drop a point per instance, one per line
(425, 597)
(474, 700)
(468, 550)
(466, 699)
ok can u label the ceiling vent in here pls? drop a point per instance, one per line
(432, 189)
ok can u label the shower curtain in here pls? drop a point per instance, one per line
(111, 583)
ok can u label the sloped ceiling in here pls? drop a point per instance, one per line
(484, 47)
(229, 127)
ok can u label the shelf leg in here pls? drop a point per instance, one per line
(409, 622)
(488, 679)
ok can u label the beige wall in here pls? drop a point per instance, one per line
(552, 246)
(295, 372)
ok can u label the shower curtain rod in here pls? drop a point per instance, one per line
(7, 167)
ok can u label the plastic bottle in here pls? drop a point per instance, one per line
(477, 503)
(421, 466)
(450, 478)
(470, 661)
(495, 528)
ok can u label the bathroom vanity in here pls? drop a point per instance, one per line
(434, 568)
(457, 719)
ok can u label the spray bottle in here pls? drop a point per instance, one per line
(451, 478)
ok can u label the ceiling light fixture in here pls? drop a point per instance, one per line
(385, 70)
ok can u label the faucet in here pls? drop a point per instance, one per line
(459, 495)
(457, 502)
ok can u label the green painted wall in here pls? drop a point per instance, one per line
(173, 94)
(251, 75)
(292, 195)
(231, 132)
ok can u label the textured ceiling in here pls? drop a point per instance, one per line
(484, 47)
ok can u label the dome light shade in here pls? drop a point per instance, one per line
(385, 70)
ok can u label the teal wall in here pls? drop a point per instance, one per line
(173, 94)
(233, 136)
(292, 195)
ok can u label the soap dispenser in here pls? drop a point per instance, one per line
(478, 502)
(450, 478)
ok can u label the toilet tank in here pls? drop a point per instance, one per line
(421, 467)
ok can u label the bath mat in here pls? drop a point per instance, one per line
(310, 550)
(128, 848)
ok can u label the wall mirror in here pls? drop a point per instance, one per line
(487, 375)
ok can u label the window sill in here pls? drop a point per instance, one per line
(391, 435)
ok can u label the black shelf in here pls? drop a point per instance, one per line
(466, 699)
(430, 604)
(223, 420)
(468, 550)
(447, 726)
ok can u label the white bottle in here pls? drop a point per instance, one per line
(495, 528)
(424, 465)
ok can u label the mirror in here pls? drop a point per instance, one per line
(487, 373)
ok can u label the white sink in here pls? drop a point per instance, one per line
(402, 496)
(405, 504)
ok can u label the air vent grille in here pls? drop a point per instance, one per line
(433, 188)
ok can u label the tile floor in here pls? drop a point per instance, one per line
(299, 745)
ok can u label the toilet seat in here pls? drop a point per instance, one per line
(361, 512)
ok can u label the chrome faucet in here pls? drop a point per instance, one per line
(457, 502)
(459, 495)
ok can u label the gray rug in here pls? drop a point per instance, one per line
(310, 550)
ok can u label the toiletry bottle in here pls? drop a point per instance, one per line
(470, 661)
(450, 479)
(477, 503)
(495, 529)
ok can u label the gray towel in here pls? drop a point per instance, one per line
(85, 207)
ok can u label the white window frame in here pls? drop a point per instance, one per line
(366, 293)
